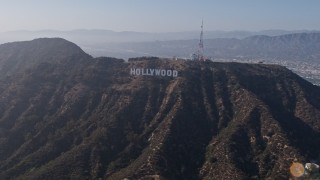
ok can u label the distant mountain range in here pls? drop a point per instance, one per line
(87, 37)
(303, 45)
(67, 115)
(300, 46)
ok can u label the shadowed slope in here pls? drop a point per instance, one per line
(214, 121)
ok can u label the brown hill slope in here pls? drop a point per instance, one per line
(92, 120)
(17, 56)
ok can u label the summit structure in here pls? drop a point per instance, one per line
(198, 56)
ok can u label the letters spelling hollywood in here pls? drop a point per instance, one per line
(153, 72)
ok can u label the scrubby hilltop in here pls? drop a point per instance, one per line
(88, 118)
(18, 56)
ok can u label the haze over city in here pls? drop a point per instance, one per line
(159, 16)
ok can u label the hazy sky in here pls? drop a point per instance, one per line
(159, 15)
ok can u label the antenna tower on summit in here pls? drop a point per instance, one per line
(201, 58)
(199, 55)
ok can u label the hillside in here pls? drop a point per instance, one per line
(75, 117)
(18, 56)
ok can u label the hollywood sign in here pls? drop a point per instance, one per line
(153, 72)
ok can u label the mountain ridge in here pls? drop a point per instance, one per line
(91, 119)
(298, 52)
(25, 54)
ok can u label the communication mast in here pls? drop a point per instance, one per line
(199, 55)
